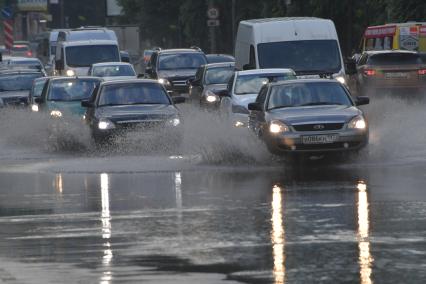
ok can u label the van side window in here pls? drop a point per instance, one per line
(252, 60)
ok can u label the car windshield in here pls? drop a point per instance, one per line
(113, 70)
(251, 84)
(32, 64)
(18, 82)
(181, 61)
(71, 89)
(38, 88)
(395, 59)
(133, 94)
(219, 75)
(308, 94)
(213, 58)
(303, 56)
(85, 56)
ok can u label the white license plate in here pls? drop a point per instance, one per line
(319, 139)
(391, 75)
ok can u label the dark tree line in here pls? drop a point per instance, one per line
(179, 23)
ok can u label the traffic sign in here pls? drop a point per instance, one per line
(213, 23)
(213, 13)
(6, 13)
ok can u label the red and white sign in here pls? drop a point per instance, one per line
(8, 33)
(380, 31)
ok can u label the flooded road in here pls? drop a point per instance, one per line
(201, 217)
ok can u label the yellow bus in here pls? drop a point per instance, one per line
(405, 36)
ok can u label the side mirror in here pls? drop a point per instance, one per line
(191, 81)
(59, 64)
(125, 57)
(255, 106)
(38, 100)
(87, 104)
(178, 100)
(350, 66)
(361, 100)
(141, 75)
(223, 93)
(248, 67)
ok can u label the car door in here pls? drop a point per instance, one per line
(257, 120)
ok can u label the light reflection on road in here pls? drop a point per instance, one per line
(106, 230)
(277, 235)
(365, 258)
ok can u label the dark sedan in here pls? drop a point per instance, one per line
(210, 82)
(119, 107)
(15, 86)
(309, 116)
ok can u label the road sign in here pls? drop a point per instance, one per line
(6, 13)
(213, 23)
(213, 13)
(409, 42)
(8, 33)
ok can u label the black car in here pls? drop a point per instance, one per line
(173, 67)
(138, 105)
(35, 92)
(15, 86)
(219, 58)
(308, 116)
(209, 84)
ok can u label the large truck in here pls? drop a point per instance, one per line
(78, 49)
(309, 46)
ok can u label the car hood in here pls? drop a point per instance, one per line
(14, 94)
(244, 100)
(137, 112)
(73, 107)
(178, 73)
(314, 114)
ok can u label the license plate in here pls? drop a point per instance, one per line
(319, 139)
(391, 75)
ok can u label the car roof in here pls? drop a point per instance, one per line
(18, 58)
(110, 63)
(19, 71)
(130, 81)
(373, 52)
(220, 64)
(179, 50)
(298, 81)
(57, 78)
(89, 42)
(266, 71)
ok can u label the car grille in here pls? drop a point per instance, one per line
(318, 127)
(145, 125)
(179, 83)
(331, 146)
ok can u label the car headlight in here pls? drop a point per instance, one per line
(164, 82)
(357, 122)
(239, 124)
(175, 121)
(34, 108)
(341, 79)
(211, 97)
(56, 113)
(105, 124)
(70, 73)
(277, 126)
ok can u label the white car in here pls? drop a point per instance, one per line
(243, 88)
(113, 71)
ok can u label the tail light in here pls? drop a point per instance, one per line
(370, 72)
(422, 72)
(29, 53)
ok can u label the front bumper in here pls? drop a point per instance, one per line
(292, 142)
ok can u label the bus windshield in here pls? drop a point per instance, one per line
(303, 56)
(86, 55)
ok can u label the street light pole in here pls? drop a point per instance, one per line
(61, 13)
(233, 24)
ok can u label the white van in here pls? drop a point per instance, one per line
(309, 46)
(78, 49)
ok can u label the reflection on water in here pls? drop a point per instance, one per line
(106, 230)
(365, 258)
(59, 184)
(277, 235)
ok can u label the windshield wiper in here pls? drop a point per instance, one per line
(320, 104)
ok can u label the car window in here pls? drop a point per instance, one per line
(218, 75)
(251, 84)
(71, 89)
(262, 95)
(199, 74)
(38, 88)
(307, 94)
(113, 70)
(394, 59)
(131, 94)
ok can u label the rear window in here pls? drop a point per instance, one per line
(20, 48)
(394, 59)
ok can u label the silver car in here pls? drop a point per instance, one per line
(308, 116)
